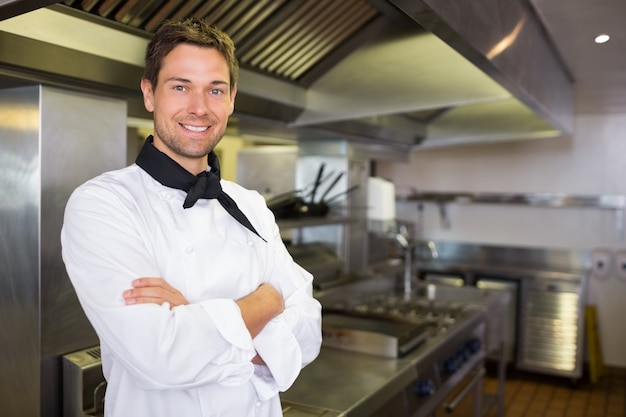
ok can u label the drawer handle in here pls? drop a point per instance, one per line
(455, 402)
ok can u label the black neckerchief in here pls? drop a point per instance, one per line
(204, 185)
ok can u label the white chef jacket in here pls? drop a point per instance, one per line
(193, 360)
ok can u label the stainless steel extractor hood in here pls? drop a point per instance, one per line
(398, 73)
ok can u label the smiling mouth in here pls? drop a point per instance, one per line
(195, 128)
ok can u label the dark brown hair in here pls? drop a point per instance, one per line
(191, 31)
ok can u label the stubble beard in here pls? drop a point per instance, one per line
(176, 144)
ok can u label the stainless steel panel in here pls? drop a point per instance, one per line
(50, 141)
(339, 156)
(356, 384)
(10, 8)
(552, 329)
(553, 288)
(81, 136)
(270, 170)
(83, 383)
(20, 204)
(543, 82)
(510, 261)
(512, 288)
(56, 65)
(356, 232)
(382, 337)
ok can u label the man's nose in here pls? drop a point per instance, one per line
(199, 103)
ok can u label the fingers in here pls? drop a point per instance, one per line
(153, 290)
(258, 360)
(153, 282)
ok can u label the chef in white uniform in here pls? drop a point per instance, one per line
(199, 308)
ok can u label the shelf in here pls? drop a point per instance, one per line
(614, 202)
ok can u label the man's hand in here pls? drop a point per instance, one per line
(153, 290)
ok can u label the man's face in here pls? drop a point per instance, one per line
(191, 104)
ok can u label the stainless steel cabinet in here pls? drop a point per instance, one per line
(552, 331)
(510, 287)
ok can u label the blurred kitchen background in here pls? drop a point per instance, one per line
(490, 136)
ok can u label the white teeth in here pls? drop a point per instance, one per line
(196, 128)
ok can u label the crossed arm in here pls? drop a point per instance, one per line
(257, 308)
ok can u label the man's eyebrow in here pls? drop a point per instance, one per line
(219, 82)
(177, 79)
(185, 80)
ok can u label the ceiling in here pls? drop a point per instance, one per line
(599, 71)
(366, 69)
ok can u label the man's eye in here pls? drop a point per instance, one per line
(217, 91)
(179, 87)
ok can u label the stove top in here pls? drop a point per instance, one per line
(439, 315)
(387, 325)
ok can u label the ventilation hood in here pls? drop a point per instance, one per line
(402, 74)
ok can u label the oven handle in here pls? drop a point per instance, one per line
(98, 398)
(455, 402)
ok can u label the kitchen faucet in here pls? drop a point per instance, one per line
(431, 246)
(408, 248)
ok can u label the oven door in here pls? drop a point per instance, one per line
(448, 378)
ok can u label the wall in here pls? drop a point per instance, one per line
(591, 162)
(227, 151)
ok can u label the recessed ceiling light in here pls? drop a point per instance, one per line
(602, 38)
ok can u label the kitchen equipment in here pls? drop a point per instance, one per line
(513, 290)
(391, 338)
(83, 383)
(548, 289)
(40, 316)
(552, 326)
(451, 359)
(303, 203)
(491, 283)
(416, 384)
(320, 260)
(291, 205)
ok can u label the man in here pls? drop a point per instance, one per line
(199, 308)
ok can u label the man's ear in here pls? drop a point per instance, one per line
(148, 94)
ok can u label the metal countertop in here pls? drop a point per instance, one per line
(353, 384)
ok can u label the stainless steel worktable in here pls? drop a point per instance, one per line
(349, 383)
(343, 383)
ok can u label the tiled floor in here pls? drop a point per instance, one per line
(531, 395)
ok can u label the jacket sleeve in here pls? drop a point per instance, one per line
(292, 339)
(186, 347)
